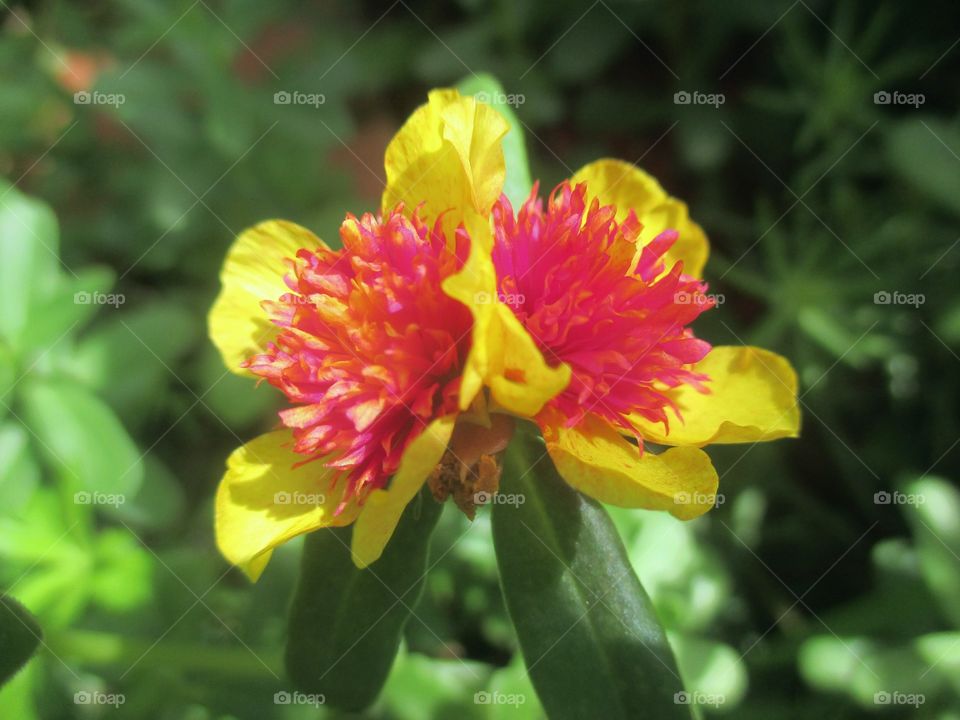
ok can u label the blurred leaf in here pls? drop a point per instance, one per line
(81, 435)
(589, 633)
(19, 473)
(934, 515)
(29, 264)
(714, 673)
(19, 637)
(688, 587)
(824, 329)
(236, 400)
(74, 300)
(948, 327)
(924, 153)
(123, 577)
(17, 697)
(941, 652)
(829, 663)
(158, 503)
(423, 688)
(345, 624)
(132, 354)
(8, 372)
(47, 556)
(511, 694)
(866, 671)
(487, 88)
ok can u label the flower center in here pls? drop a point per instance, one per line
(592, 297)
(370, 348)
(470, 470)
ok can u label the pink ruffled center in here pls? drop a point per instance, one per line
(370, 349)
(591, 297)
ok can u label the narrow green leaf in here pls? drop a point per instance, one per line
(590, 637)
(29, 264)
(931, 506)
(923, 152)
(488, 89)
(345, 624)
(19, 637)
(80, 434)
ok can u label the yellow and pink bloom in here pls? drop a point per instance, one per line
(449, 311)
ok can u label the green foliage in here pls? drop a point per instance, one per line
(345, 624)
(20, 636)
(590, 636)
(800, 597)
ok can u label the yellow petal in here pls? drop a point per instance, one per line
(595, 459)
(447, 155)
(253, 272)
(502, 354)
(627, 187)
(523, 381)
(263, 502)
(753, 397)
(383, 508)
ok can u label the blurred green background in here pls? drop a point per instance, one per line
(827, 584)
